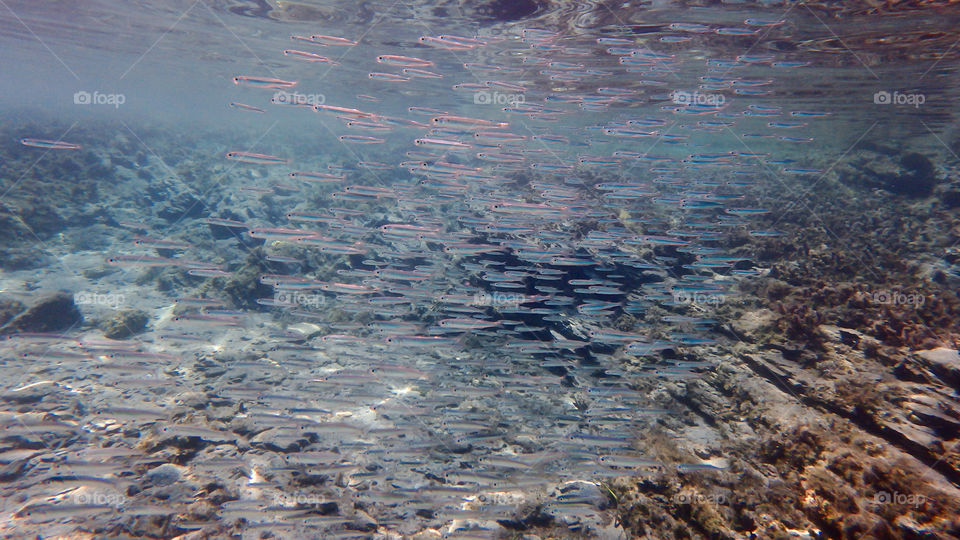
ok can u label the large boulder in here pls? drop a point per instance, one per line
(50, 314)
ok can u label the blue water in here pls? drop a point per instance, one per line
(381, 269)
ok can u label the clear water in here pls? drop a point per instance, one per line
(413, 336)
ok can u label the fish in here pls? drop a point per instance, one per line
(248, 108)
(443, 144)
(263, 82)
(223, 222)
(536, 221)
(321, 39)
(421, 74)
(310, 57)
(387, 77)
(360, 139)
(256, 159)
(50, 145)
(403, 61)
(318, 177)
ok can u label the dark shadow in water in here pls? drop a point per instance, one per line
(508, 10)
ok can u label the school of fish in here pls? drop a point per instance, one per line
(477, 305)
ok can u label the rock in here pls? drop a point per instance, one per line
(220, 232)
(917, 164)
(244, 287)
(186, 437)
(427, 534)
(125, 324)
(9, 309)
(919, 180)
(910, 184)
(53, 313)
(42, 218)
(908, 173)
(950, 196)
(362, 522)
(195, 400)
(30, 393)
(944, 362)
(583, 492)
(181, 207)
(280, 439)
(165, 474)
(947, 358)
(13, 258)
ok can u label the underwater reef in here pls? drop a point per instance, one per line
(828, 410)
